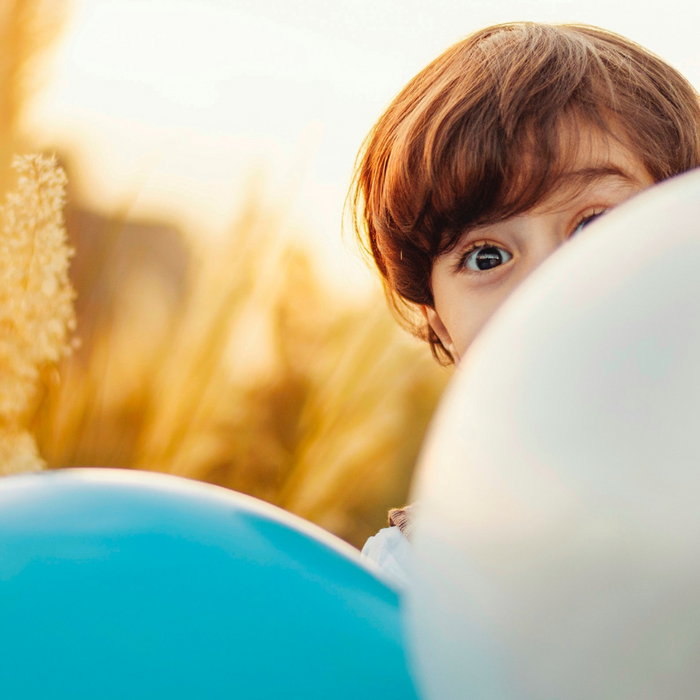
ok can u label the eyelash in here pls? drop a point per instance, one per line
(585, 220)
(461, 265)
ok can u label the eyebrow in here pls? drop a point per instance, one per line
(585, 176)
(571, 180)
(572, 183)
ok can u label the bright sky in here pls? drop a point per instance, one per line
(174, 102)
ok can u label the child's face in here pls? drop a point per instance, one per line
(470, 281)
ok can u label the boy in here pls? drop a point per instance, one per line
(498, 151)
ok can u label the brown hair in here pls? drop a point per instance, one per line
(476, 137)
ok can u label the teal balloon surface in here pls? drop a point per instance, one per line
(120, 584)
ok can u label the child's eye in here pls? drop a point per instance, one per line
(587, 220)
(484, 257)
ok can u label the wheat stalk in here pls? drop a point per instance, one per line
(36, 300)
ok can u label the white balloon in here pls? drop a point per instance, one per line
(558, 538)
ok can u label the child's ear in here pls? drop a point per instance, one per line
(435, 322)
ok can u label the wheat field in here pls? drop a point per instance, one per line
(230, 362)
(257, 378)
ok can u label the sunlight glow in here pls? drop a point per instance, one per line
(168, 105)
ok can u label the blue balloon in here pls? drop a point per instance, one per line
(121, 584)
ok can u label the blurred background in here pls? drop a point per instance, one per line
(229, 332)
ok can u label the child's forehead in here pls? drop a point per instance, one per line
(587, 160)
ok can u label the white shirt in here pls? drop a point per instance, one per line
(392, 553)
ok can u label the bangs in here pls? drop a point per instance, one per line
(494, 126)
(515, 175)
(478, 156)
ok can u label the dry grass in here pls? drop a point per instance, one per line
(35, 297)
(27, 29)
(247, 373)
(36, 301)
(258, 379)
